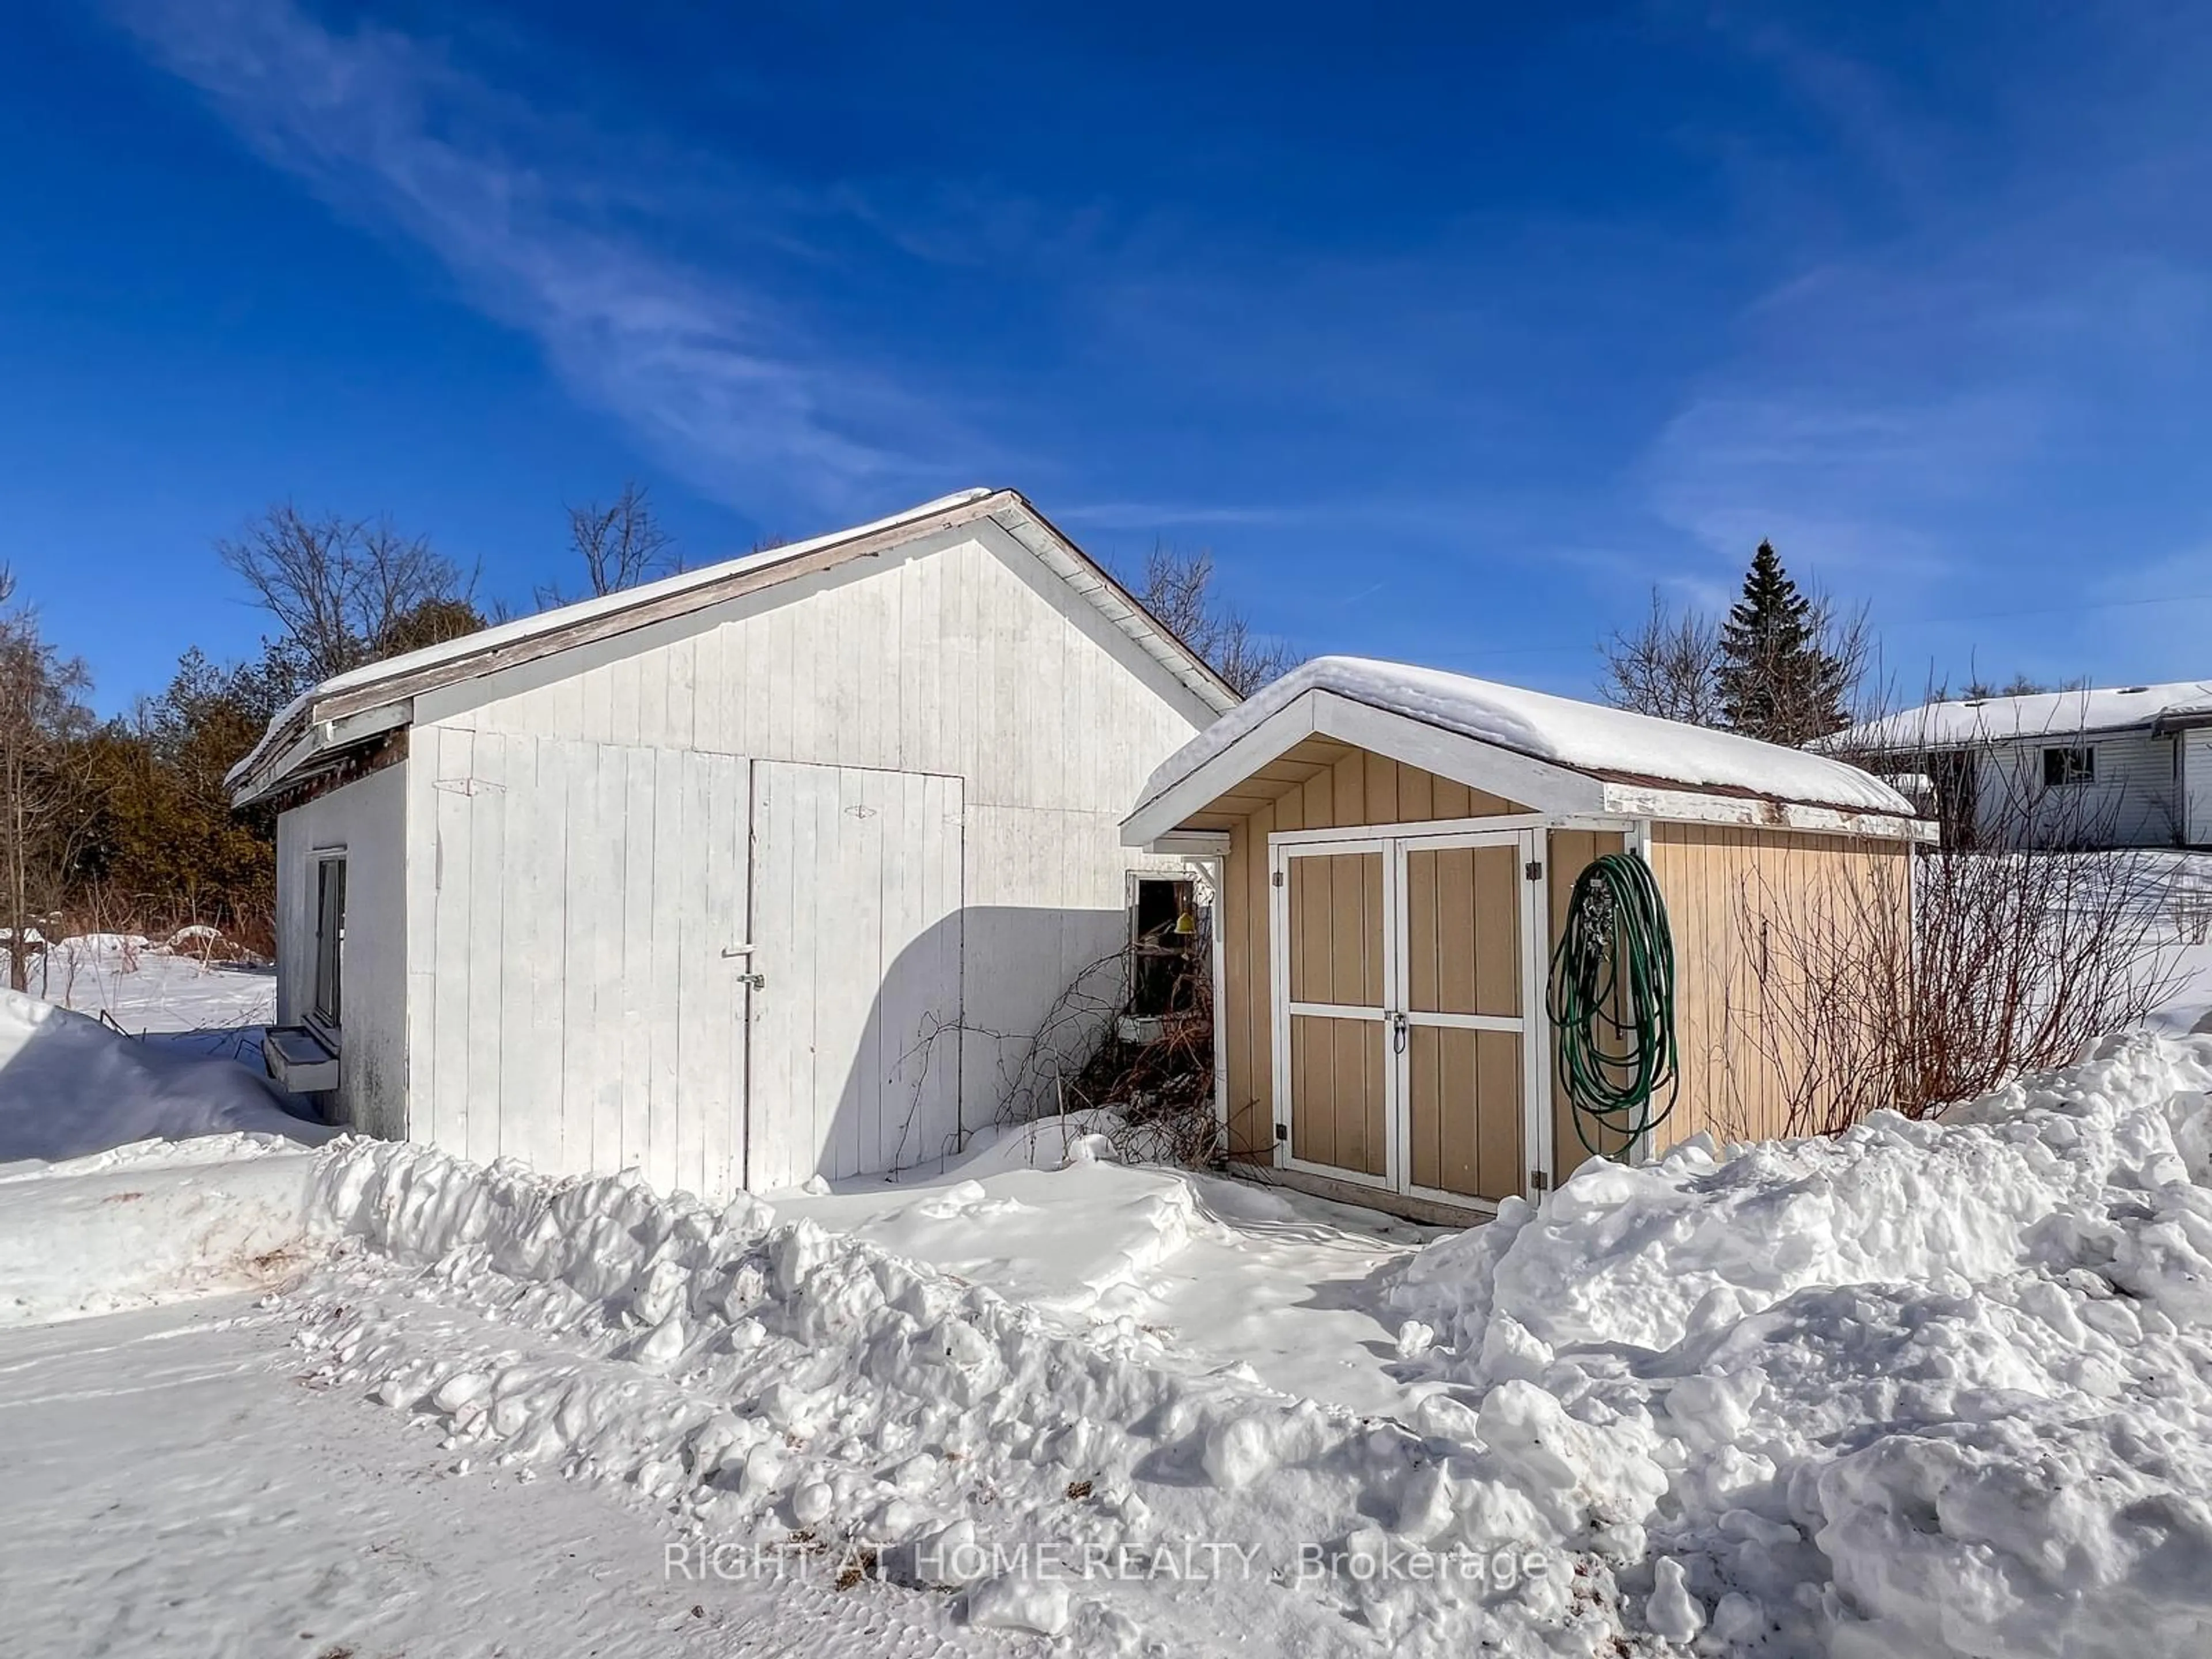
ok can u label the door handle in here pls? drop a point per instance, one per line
(1401, 1028)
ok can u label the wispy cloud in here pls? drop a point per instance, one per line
(1971, 324)
(557, 234)
(1843, 484)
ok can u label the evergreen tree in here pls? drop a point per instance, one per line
(1779, 680)
(164, 845)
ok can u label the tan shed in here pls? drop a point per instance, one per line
(1392, 849)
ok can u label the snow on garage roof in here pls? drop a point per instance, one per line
(1963, 721)
(362, 695)
(1582, 737)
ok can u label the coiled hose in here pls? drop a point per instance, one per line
(1611, 1001)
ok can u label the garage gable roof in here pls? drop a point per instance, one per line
(353, 707)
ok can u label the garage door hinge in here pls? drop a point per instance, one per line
(1534, 869)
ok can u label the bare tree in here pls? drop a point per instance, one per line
(2020, 685)
(1667, 665)
(1179, 592)
(2005, 961)
(621, 545)
(45, 793)
(341, 589)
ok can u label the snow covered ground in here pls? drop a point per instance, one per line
(145, 986)
(174, 1486)
(1924, 1389)
(1203, 1272)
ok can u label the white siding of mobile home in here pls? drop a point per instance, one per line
(2134, 792)
(957, 656)
(363, 820)
(2196, 786)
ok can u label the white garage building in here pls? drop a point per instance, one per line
(761, 871)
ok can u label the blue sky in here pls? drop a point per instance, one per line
(1451, 335)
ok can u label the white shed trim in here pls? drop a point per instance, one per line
(1553, 793)
(1684, 806)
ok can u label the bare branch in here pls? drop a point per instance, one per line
(339, 589)
(621, 545)
(45, 798)
(1668, 666)
(1178, 590)
(2008, 960)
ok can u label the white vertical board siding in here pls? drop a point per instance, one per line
(583, 1015)
(857, 926)
(960, 656)
(1048, 899)
(963, 657)
(366, 820)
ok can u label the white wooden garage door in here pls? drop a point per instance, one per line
(574, 1000)
(856, 895)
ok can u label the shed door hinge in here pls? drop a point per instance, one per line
(1534, 869)
(1276, 880)
(1539, 1182)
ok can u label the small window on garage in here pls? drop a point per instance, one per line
(2062, 766)
(1165, 938)
(330, 876)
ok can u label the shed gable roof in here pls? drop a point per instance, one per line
(354, 707)
(1559, 756)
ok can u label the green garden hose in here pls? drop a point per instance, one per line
(1611, 1001)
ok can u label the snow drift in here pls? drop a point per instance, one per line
(69, 1086)
(1928, 1389)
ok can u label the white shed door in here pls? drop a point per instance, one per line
(581, 1007)
(856, 894)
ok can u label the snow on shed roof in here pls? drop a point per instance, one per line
(393, 678)
(1582, 736)
(1963, 721)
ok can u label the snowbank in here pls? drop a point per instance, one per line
(69, 1086)
(771, 1382)
(1581, 735)
(1926, 1389)
(1930, 1389)
(151, 1224)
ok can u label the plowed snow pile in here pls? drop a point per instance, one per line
(1930, 1389)
(789, 1390)
(1927, 1389)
